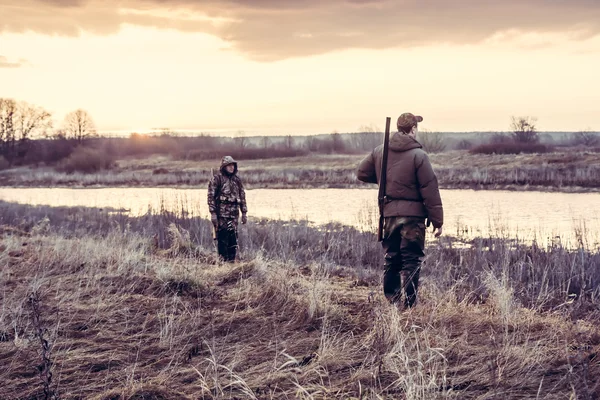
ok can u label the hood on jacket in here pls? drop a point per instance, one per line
(225, 161)
(400, 142)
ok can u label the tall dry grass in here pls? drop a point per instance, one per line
(256, 177)
(542, 276)
(563, 170)
(140, 308)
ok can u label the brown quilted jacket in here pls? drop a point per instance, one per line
(412, 187)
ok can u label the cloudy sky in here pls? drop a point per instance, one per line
(305, 66)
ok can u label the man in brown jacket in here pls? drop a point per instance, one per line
(412, 195)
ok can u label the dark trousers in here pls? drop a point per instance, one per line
(403, 244)
(227, 239)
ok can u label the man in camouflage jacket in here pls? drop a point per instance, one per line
(226, 197)
(412, 195)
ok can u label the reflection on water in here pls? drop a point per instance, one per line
(467, 212)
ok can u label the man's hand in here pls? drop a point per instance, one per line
(244, 218)
(437, 232)
(214, 219)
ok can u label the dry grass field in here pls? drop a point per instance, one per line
(567, 170)
(102, 306)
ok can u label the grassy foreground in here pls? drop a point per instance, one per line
(101, 306)
(567, 170)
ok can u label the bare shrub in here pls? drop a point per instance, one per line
(144, 145)
(240, 139)
(86, 160)
(499, 137)
(511, 148)
(4, 164)
(50, 151)
(586, 138)
(366, 138)
(432, 142)
(524, 129)
(464, 145)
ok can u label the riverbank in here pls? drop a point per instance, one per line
(566, 171)
(139, 307)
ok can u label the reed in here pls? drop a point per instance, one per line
(573, 170)
(140, 308)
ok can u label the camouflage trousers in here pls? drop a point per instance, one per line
(227, 238)
(403, 243)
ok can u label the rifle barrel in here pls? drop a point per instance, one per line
(383, 178)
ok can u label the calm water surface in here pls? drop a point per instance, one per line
(523, 214)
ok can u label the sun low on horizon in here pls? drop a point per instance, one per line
(306, 66)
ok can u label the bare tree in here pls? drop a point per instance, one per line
(208, 141)
(289, 142)
(524, 130)
(464, 144)
(8, 115)
(337, 142)
(32, 121)
(265, 142)
(500, 138)
(79, 125)
(367, 137)
(19, 122)
(587, 138)
(166, 133)
(432, 142)
(240, 139)
(58, 134)
(311, 143)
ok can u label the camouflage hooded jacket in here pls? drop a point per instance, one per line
(226, 194)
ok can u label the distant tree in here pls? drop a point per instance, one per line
(586, 138)
(546, 138)
(499, 138)
(289, 142)
(321, 145)
(167, 133)
(311, 143)
(58, 134)
(367, 137)
(524, 129)
(207, 140)
(432, 142)
(337, 142)
(464, 144)
(265, 142)
(369, 128)
(79, 125)
(8, 120)
(240, 139)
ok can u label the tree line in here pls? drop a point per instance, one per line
(27, 137)
(21, 123)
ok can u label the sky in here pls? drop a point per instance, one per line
(304, 66)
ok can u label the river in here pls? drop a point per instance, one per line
(526, 215)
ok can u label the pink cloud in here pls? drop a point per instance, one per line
(276, 29)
